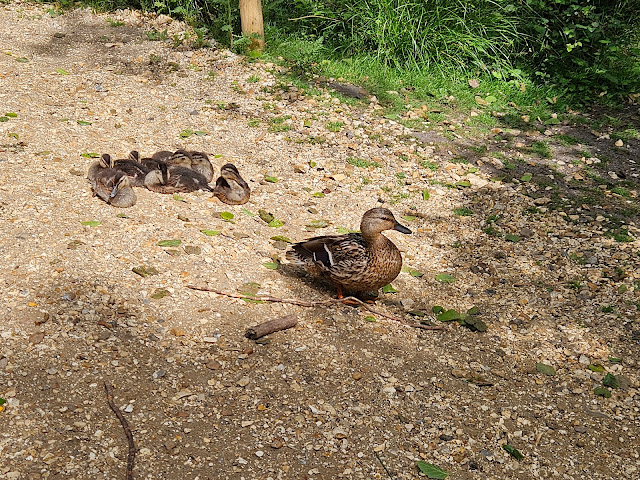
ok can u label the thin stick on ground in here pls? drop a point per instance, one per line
(383, 465)
(321, 303)
(125, 426)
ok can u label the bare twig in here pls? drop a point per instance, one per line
(125, 426)
(304, 303)
(383, 465)
(275, 325)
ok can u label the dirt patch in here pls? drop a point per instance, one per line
(337, 396)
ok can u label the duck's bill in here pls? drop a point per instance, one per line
(401, 229)
(114, 192)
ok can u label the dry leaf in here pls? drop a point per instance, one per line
(474, 83)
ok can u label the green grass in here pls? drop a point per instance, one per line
(542, 149)
(334, 126)
(362, 163)
(115, 23)
(566, 140)
(463, 211)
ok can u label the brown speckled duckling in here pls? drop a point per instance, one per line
(175, 179)
(113, 187)
(358, 262)
(104, 162)
(135, 170)
(230, 186)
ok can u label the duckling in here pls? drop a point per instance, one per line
(200, 163)
(179, 158)
(135, 170)
(162, 155)
(175, 179)
(359, 262)
(104, 162)
(230, 186)
(113, 186)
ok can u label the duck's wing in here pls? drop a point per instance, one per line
(337, 255)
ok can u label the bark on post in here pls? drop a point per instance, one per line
(252, 23)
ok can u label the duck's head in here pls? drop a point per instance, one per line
(380, 219)
(134, 155)
(199, 158)
(181, 158)
(230, 175)
(120, 181)
(106, 161)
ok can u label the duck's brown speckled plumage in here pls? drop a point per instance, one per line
(359, 262)
(114, 188)
(230, 186)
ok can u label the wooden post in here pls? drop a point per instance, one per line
(252, 22)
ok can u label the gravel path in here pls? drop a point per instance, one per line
(338, 396)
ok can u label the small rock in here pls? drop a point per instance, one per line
(584, 360)
(244, 381)
(192, 250)
(36, 338)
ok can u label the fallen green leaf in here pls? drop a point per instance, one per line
(318, 195)
(545, 369)
(178, 198)
(449, 315)
(473, 311)
(416, 273)
(610, 380)
(2, 401)
(271, 265)
(370, 318)
(270, 179)
(145, 271)
(160, 293)
(280, 238)
(596, 367)
(247, 212)
(265, 216)
(211, 233)
(122, 215)
(4, 119)
(432, 471)
(445, 278)
(22, 59)
(463, 183)
(226, 216)
(437, 309)
(409, 218)
(90, 155)
(389, 289)
(186, 133)
(511, 237)
(83, 122)
(13, 135)
(526, 177)
(90, 223)
(344, 230)
(615, 360)
(425, 195)
(62, 71)
(169, 243)
(602, 391)
(11, 114)
(473, 323)
(317, 224)
(201, 133)
(514, 452)
(275, 223)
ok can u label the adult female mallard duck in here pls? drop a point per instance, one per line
(113, 187)
(358, 262)
(175, 179)
(230, 186)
